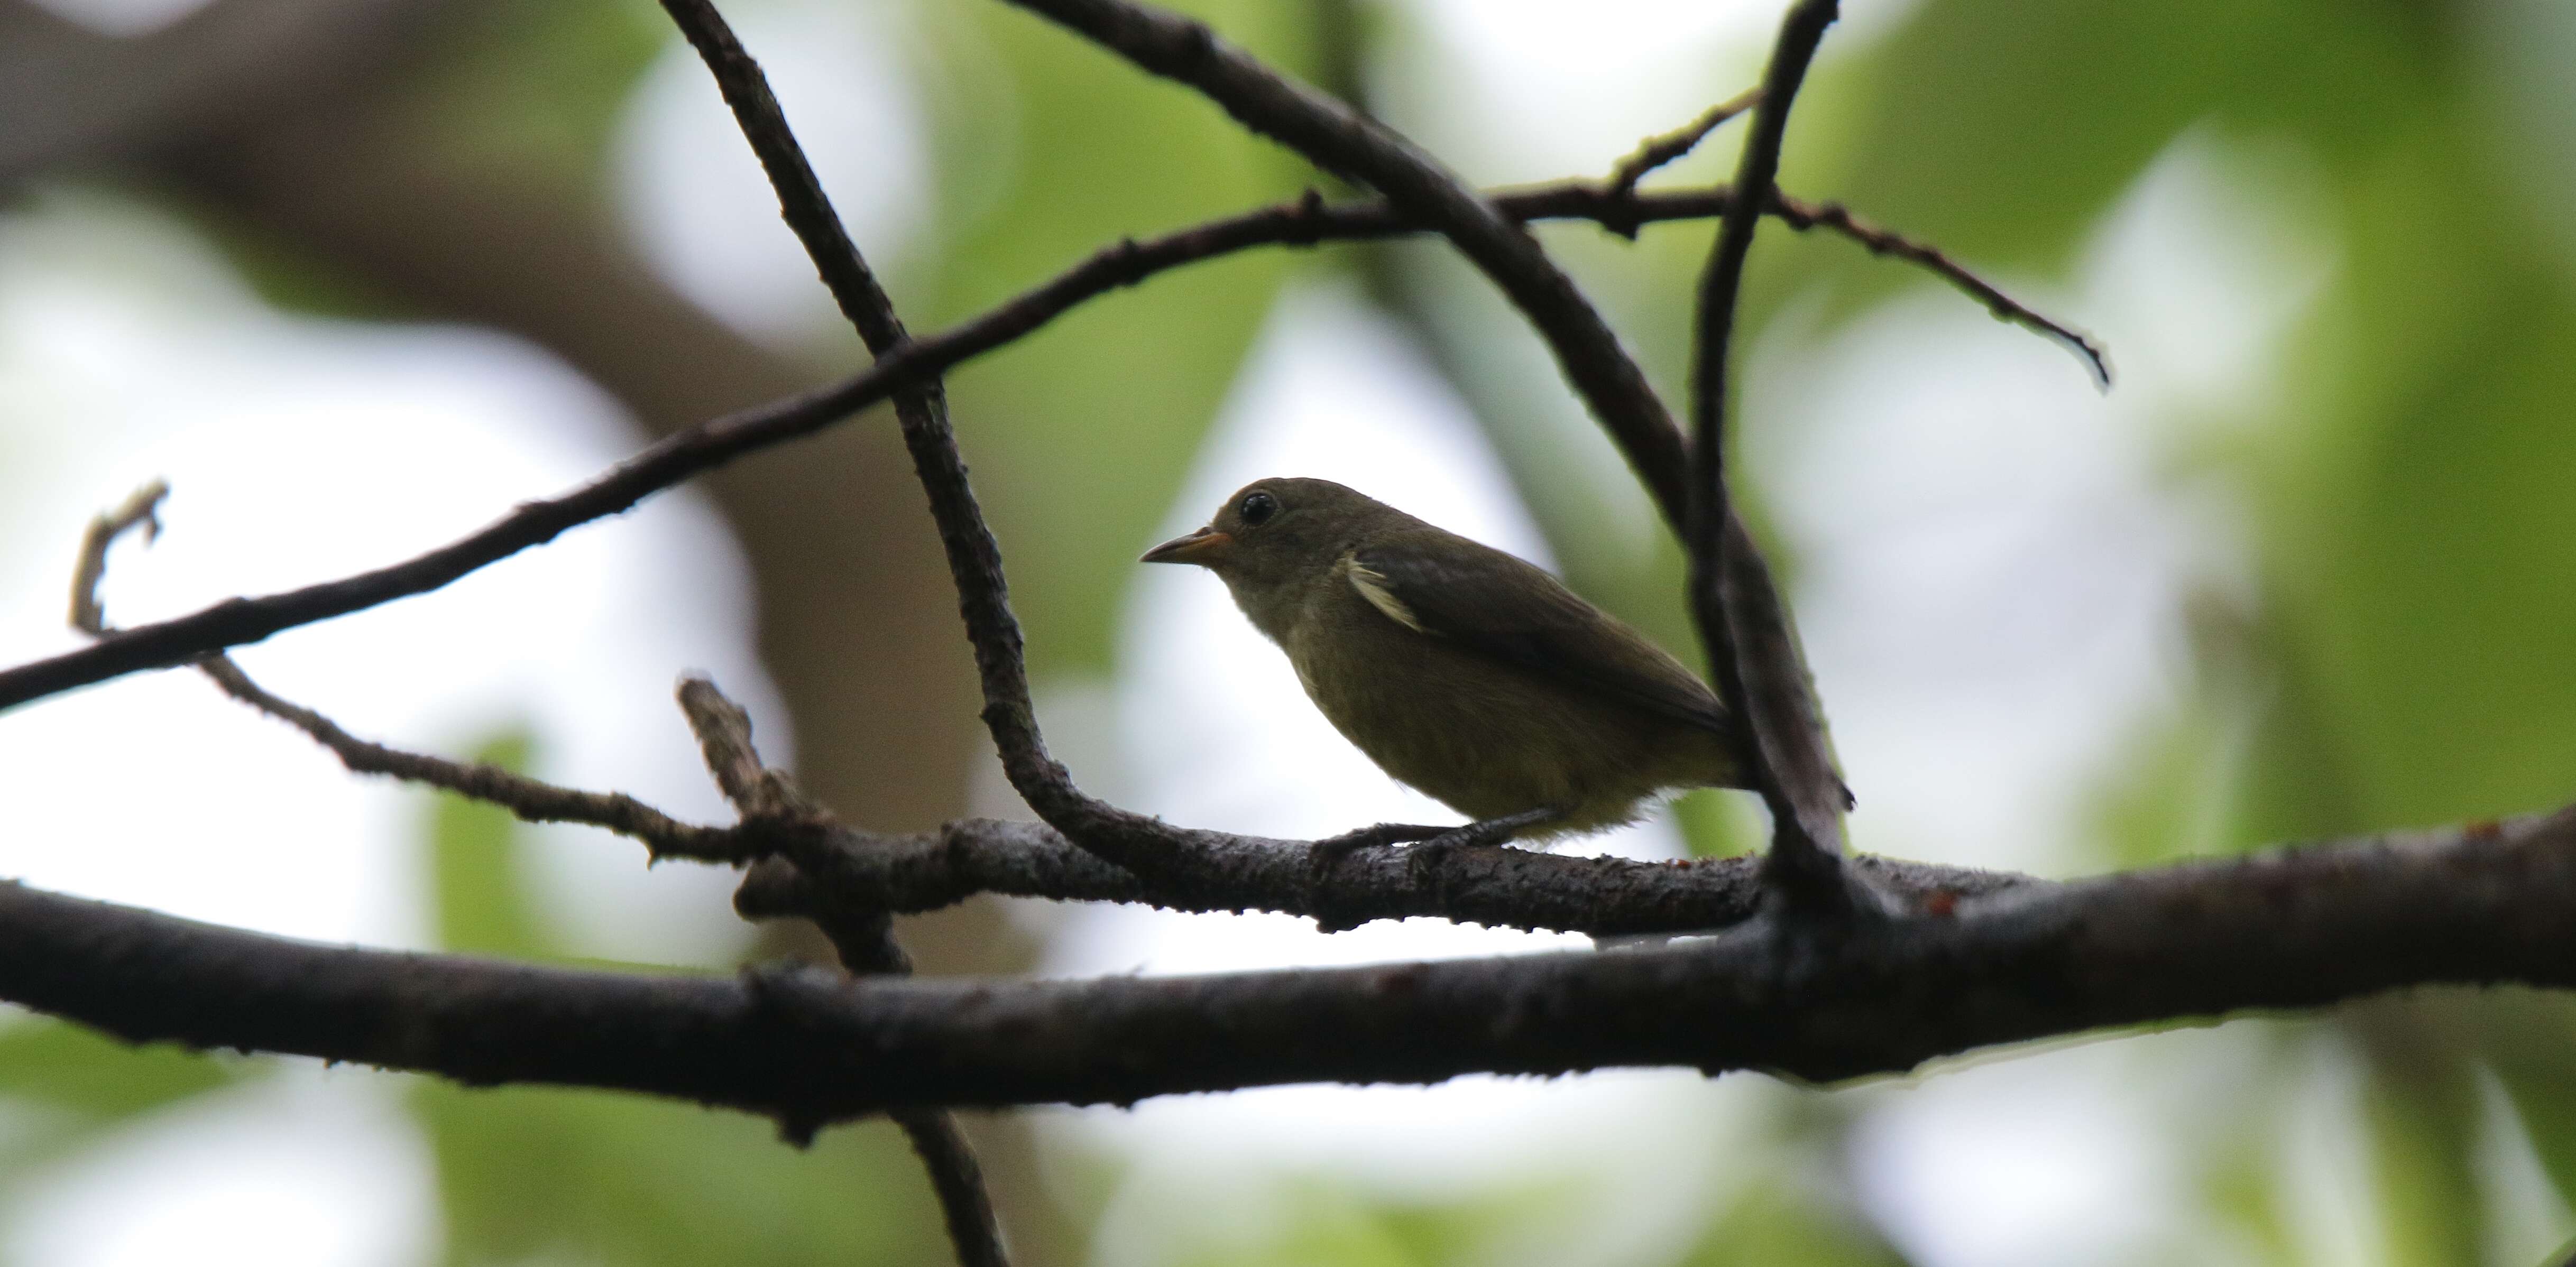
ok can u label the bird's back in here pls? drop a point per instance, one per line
(1476, 677)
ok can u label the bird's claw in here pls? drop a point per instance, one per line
(1326, 854)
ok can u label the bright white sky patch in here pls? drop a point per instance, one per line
(123, 18)
(1996, 561)
(307, 1167)
(301, 450)
(693, 194)
(1995, 556)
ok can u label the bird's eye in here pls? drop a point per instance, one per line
(1257, 508)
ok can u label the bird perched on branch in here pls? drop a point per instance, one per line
(1459, 669)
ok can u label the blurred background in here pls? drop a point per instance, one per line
(357, 275)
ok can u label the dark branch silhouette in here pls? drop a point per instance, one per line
(1334, 137)
(1752, 643)
(862, 934)
(2484, 904)
(904, 874)
(1303, 222)
(1657, 150)
(1946, 961)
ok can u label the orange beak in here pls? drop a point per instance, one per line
(1206, 547)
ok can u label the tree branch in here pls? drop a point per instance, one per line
(772, 811)
(1334, 137)
(1133, 841)
(141, 508)
(2484, 904)
(851, 874)
(1655, 151)
(863, 936)
(1752, 644)
(1305, 222)
(1494, 886)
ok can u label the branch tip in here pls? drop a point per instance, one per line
(141, 507)
(1665, 147)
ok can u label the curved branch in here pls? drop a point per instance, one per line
(1334, 137)
(1752, 644)
(2482, 904)
(1303, 222)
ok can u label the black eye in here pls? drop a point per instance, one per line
(1257, 508)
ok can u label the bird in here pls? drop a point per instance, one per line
(1461, 670)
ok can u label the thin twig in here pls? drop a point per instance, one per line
(723, 732)
(840, 868)
(1752, 644)
(1304, 222)
(528, 798)
(142, 507)
(2482, 903)
(1662, 148)
(1332, 136)
(957, 1180)
(862, 934)
(1880, 241)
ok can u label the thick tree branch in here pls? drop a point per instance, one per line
(1752, 644)
(774, 815)
(2484, 904)
(1499, 887)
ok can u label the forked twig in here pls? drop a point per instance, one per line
(1664, 147)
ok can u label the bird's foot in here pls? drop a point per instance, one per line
(1428, 851)
(1328, 853)
(1422, 856)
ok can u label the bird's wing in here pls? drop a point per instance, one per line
(1500, 606)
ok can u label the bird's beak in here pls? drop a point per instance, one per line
(1206, 547)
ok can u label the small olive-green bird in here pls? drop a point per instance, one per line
(1459, 669)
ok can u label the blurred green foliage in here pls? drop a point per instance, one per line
(2411, 656)
(523, 1174)
(1112, 398)
(64, 1089)
(528, 1174)
(2407, 655)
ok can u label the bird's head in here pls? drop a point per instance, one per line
(1279, 532)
